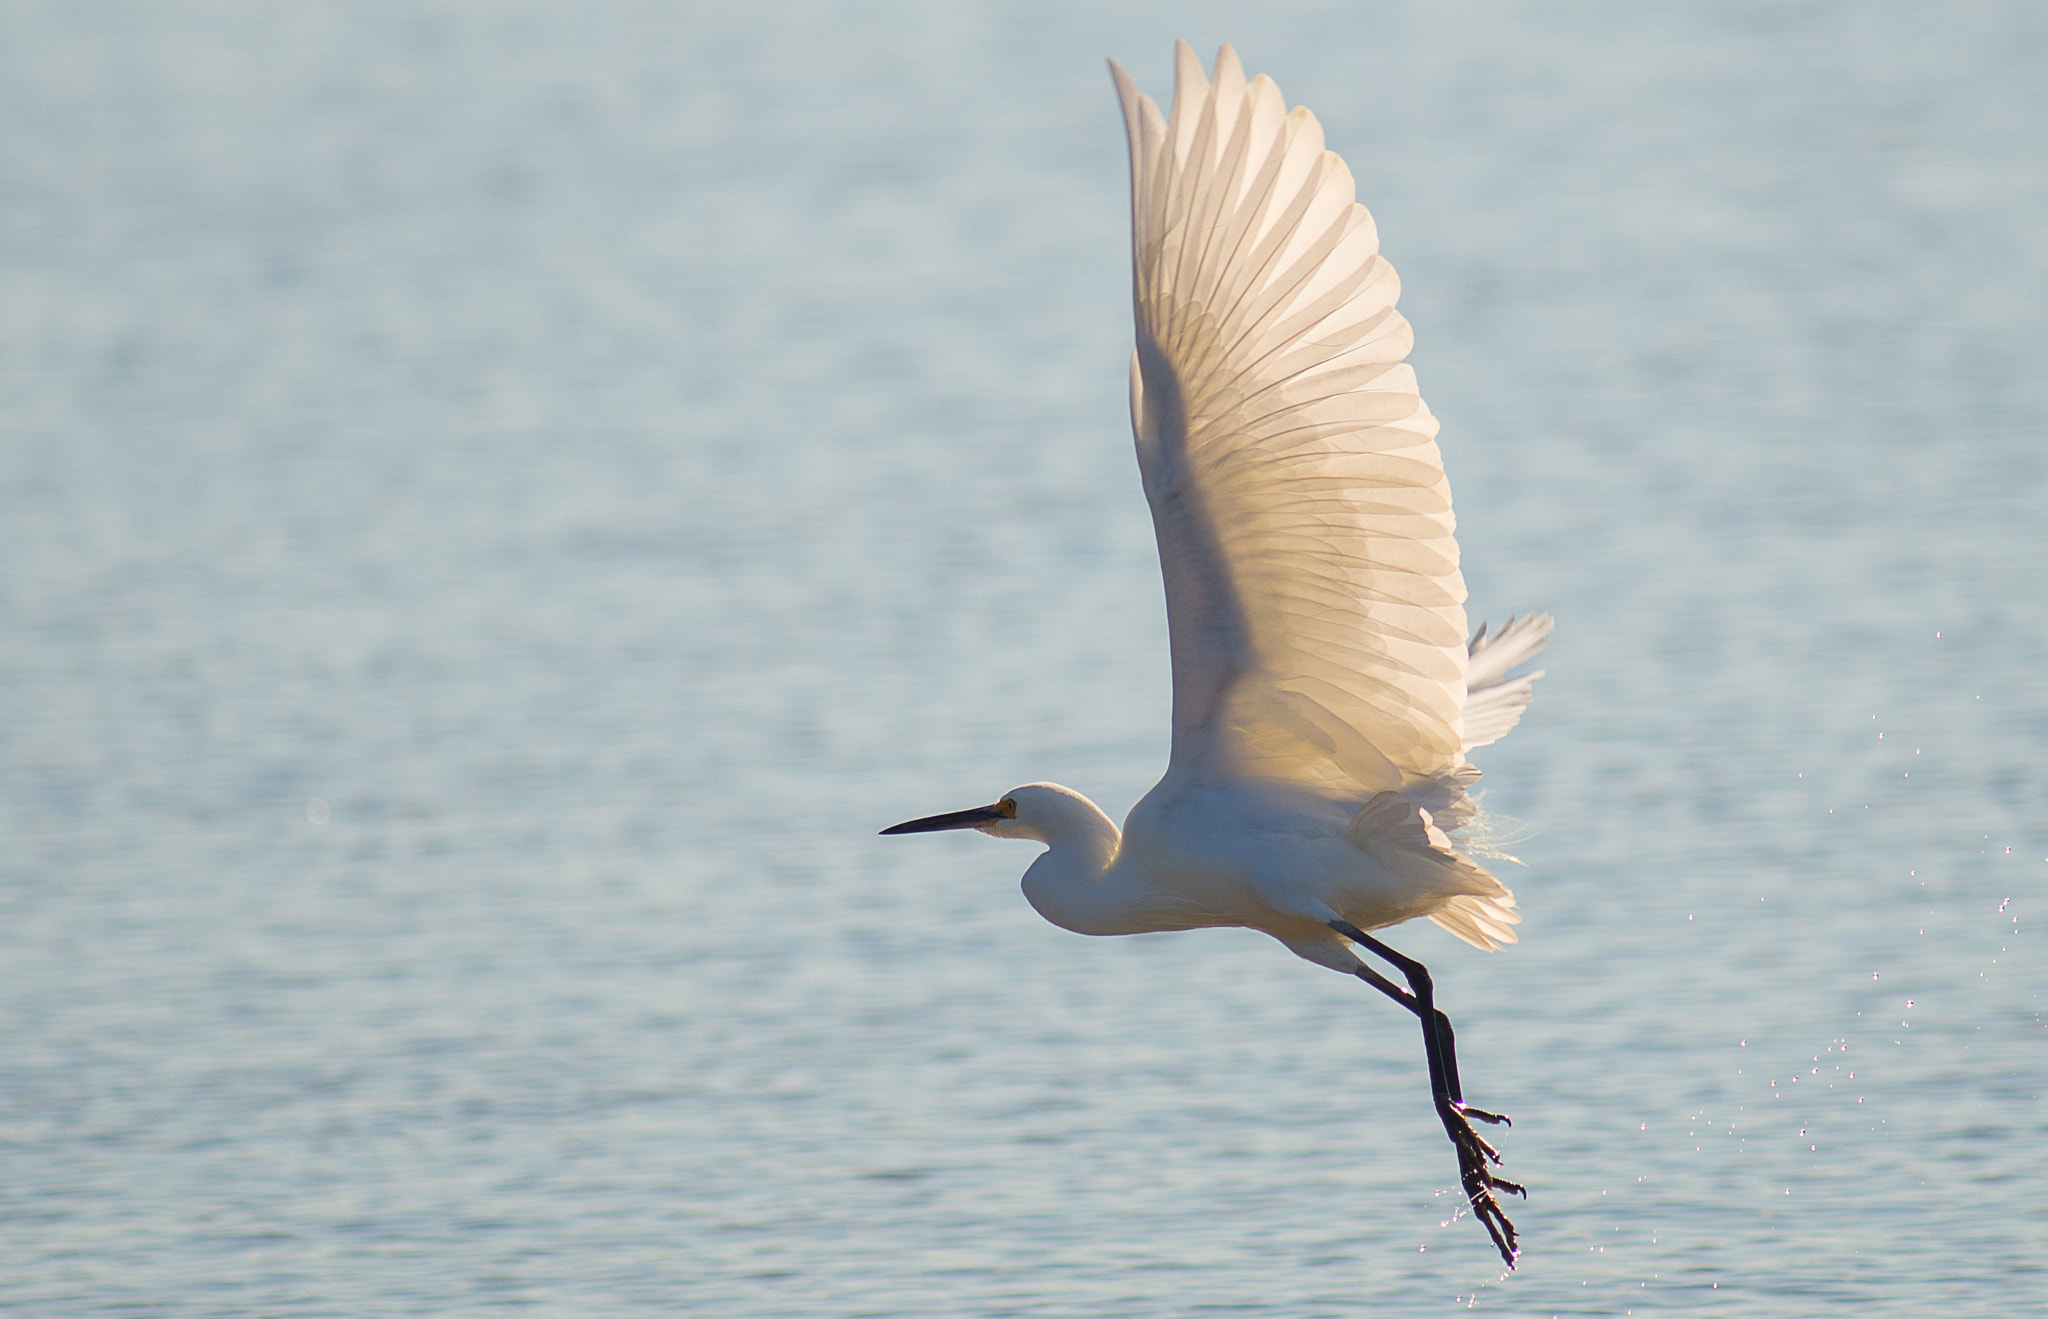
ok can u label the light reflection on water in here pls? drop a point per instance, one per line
(499, 506)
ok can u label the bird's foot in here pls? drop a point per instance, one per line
(1479, 1183)
(1488, 1211)
(1469, 1142)
(1498, 1119)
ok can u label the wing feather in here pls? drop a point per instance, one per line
(1304, 522)
(1493, 701)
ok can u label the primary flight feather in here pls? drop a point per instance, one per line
(1325, 692)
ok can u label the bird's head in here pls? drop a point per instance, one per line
(1037, 811)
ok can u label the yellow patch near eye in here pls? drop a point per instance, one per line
(1008, 806)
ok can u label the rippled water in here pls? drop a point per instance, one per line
(499, 502)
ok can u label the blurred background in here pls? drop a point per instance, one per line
(500, 501)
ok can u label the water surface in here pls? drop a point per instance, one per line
(499, 503)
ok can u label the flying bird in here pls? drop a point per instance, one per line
(1325, 692)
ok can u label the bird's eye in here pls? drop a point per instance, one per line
(1008, 806)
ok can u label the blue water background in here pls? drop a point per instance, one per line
(499, 502)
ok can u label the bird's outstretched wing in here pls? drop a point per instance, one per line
(1304, 523)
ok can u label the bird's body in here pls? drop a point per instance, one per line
(1197, 855)
(1325, 693)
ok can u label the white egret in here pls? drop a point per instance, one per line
(1324, 691)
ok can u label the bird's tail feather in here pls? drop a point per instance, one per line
(1480, 921)
(1474, 904)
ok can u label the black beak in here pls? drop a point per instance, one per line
(973, 819)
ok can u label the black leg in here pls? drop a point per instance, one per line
(1440, 1044)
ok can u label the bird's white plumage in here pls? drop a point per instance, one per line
(1493, 701)
(1324, 690)
(1314, 602)
(1304, 521)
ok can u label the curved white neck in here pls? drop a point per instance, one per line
(1078, 884)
